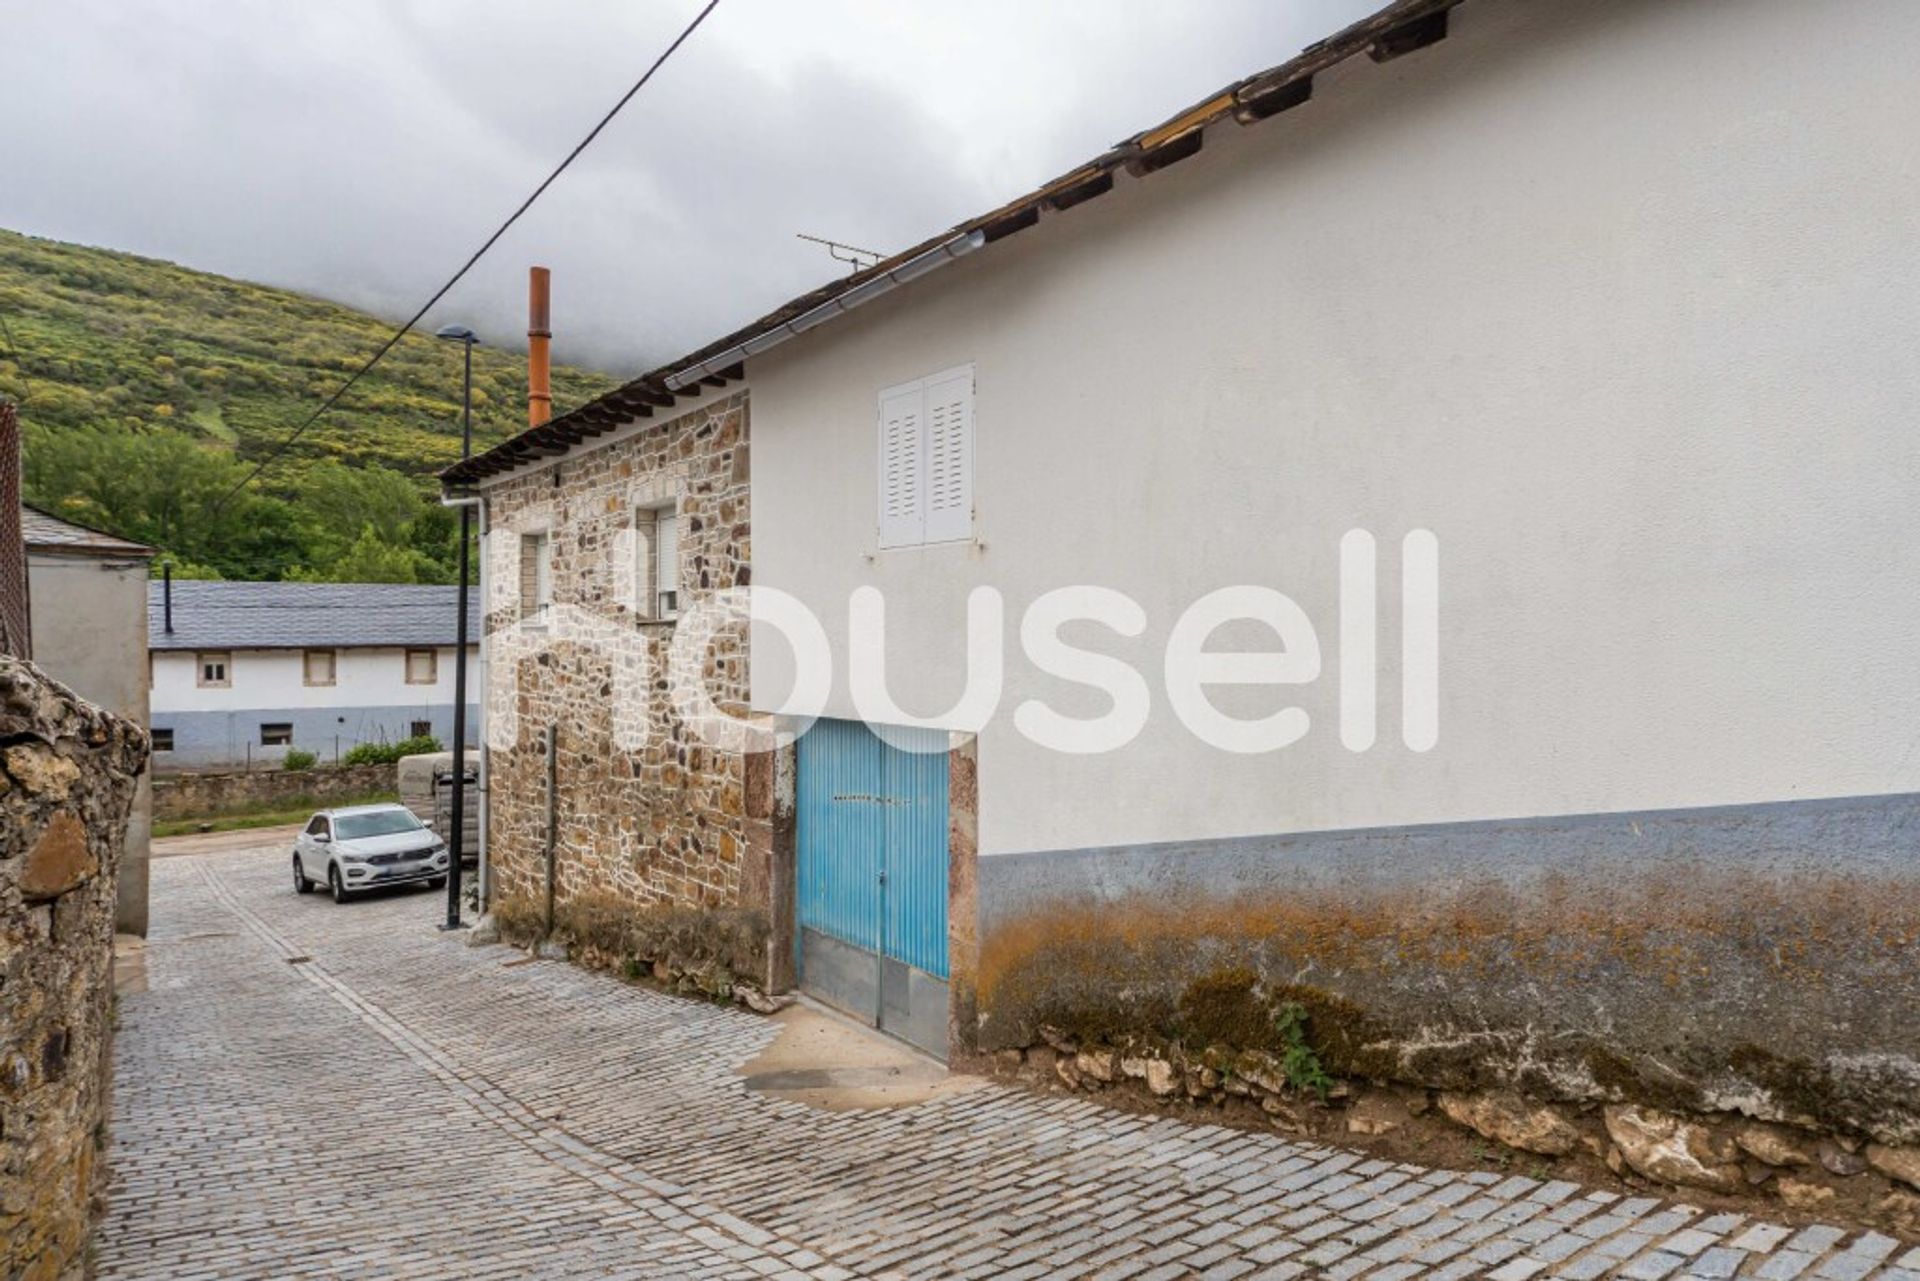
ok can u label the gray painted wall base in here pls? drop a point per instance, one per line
(207, 740)
(1763, 958)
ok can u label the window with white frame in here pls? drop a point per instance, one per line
(423, 667)
(276, 734)
(213, 669)
(536, 576)
(656, 556)
(319, 667)
(926, 460)
(162, 739)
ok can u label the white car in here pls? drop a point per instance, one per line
(361, 847)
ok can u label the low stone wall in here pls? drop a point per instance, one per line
(717, 953)
(1720, 1159)
(67, 776)
(1668, 983)
(191, 795)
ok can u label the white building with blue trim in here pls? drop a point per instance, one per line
(242, 672)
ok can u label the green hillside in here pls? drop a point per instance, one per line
(147, 391)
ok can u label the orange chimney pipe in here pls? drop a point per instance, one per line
(539, 343)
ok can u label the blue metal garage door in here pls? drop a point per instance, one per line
(873, 877)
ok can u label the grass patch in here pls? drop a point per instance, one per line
(210, 420)
(266, 814)
(521, 918)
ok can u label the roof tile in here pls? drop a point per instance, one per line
(47, 532)
(221, 615)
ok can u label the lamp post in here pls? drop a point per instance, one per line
(457, 817)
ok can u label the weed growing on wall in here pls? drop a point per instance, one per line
(1297, 1056)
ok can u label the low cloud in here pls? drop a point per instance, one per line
(360, 150)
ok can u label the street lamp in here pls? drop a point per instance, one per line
(457, 817)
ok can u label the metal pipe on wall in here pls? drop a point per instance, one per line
(484, 866)
(553, 813)
(539, 343)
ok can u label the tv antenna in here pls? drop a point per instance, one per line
(856, 257)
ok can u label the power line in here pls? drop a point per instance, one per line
(467, 266)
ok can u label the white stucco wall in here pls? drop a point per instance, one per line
(90, 633)
(1619, 299)
(275, 678)
(90, 627)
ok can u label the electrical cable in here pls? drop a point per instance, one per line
(441, 292)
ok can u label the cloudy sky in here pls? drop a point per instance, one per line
(359, 149)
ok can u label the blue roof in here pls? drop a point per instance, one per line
(219, 615)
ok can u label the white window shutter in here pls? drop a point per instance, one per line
(667, 575)
(949, 452)
(902, 468)
(645, 562)
(543, 573)
(529, 575)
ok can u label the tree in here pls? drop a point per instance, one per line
(148, 392)
(338, 502)
(257, 538)
(435, 539)
(189, 571)
(371, 560)
(164, 488)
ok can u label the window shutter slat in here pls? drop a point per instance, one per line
(949, 496)
(902, 486)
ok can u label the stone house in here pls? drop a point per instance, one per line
(242, 672)
(588, 565)
(1518, 396)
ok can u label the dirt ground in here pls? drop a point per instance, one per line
(266, 839)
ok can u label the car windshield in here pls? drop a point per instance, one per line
(351, 827)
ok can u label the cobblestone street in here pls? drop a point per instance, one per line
(312, 1091)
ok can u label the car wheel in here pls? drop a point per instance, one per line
(437, 883)
(334, 884)
(301, 885)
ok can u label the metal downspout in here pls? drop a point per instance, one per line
(553, 809)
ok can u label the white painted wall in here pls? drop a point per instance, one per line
(1618, 298)
(90, 633)
(275, 679)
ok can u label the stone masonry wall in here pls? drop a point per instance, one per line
(189, 795)
(646, 814)
(67, 775)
